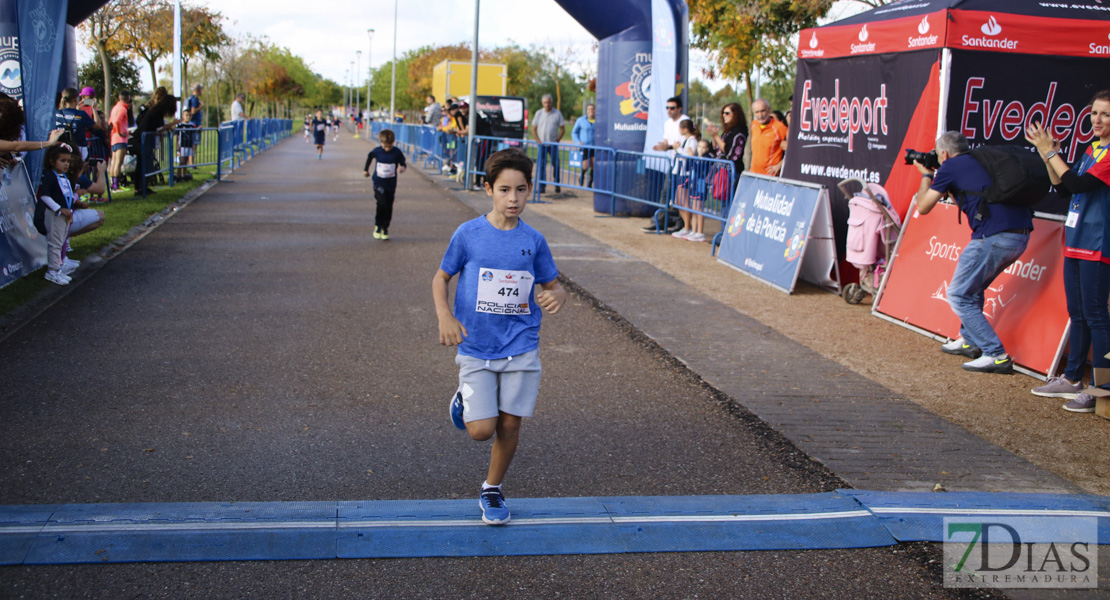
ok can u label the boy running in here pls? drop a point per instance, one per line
(495, 323)
(391, 162)
(320, 131)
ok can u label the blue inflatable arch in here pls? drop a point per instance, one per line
(629, 48)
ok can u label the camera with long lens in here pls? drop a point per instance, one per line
(929, 159)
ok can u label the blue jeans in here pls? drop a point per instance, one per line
(981, 261)
(1087, 288)
(549, 155)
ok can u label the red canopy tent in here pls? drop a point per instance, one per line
(876, 84)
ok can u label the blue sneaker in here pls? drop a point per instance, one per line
(457, 411)
(494, 510)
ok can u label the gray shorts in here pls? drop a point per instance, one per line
(490, 387)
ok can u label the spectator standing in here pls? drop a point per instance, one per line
(999, 235)
(583, 133)
(153, 120)
(433, 112)
(548, 126)
(120, 125)
(768, 140)
(187, 138)
(682, 172)
(60, 214)
(75, 121)
(672, 138)
(237, 111)
(97, 139)
(729, 139)
(1086, 255)
(196, 106)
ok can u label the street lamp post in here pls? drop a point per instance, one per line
(393, 83)
(369, 71)
(347, 90)
(358, 88)
(351, 93)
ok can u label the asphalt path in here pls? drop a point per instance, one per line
(262, 346)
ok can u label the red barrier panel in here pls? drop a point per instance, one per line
(1025, 305)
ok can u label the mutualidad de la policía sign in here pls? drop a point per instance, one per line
(768, 227)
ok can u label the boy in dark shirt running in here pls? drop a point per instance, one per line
(391, 162)
(320, 131)
(496, 319)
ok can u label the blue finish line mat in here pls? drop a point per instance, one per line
(115, 533)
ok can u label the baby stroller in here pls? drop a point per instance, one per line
(873, 227)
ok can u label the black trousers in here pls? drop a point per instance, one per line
(383, 194)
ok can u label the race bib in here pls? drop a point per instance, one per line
(504, 292)
(386, 170)
(320, 127)
(1073, 219)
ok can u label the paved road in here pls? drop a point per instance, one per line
(261, 346)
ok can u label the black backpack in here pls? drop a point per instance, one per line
(1018, 177)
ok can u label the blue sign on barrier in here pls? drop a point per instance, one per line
(22, 249)
(769, 226)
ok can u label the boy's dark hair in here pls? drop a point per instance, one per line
(52, 154)
(125, 96)
(387, 136)
(677, 100)
(508, 159)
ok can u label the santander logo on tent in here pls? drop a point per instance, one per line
(864, 45)
(991, 27)
(989, 40)
(813, 51)
(922, 40)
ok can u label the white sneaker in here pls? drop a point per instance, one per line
(696, 237)
(681, 233)
(56, 276)
(69, 265)
(991, 364)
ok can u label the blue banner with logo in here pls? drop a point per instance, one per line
(768, 228)
(42, 32)
(22, 249)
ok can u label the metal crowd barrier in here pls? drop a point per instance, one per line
(230, 144)
(699, 185)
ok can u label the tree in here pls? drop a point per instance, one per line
(123, 75)
(202, 34)
(747, 36)
(148, 34)
(101, 31)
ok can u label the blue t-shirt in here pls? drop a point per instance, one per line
(497, 265)
(77, 121)
(194, 107)
(964, 173)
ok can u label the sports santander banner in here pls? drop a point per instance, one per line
(854, 117)
(917, 283)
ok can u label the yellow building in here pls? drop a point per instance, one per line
(452, 78)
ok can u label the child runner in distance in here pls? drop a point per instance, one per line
(496, 322)
(319, 131)
(391, 162)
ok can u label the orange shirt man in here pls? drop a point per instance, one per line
(768, 140)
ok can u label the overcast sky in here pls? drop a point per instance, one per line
(326, 33)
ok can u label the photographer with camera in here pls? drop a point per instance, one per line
(999, 235)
